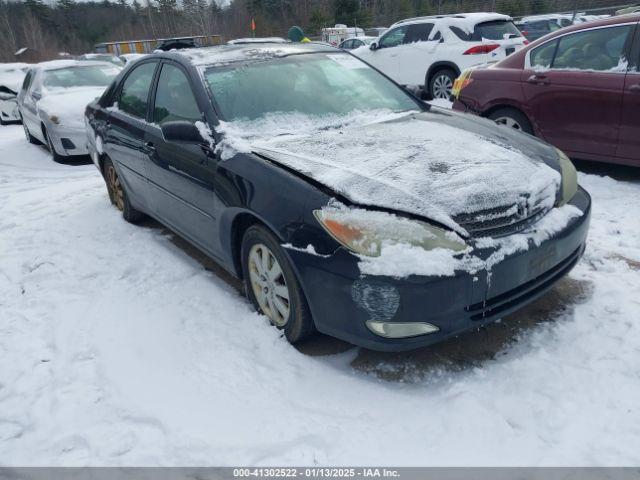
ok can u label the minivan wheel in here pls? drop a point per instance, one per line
(512, 118)
(272, 286)
(441, 84)
(118, 195)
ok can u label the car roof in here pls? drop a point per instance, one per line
(56, 64)
(472, 17)
(620, 19)
(224, 54)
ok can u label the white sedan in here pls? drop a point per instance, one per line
(53, 99)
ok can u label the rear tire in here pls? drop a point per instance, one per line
(513, 118)
(272, 286)
(118, 195)
(441, 83)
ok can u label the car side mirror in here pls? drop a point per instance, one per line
(373, 46)
(36, 95)
(181, 131)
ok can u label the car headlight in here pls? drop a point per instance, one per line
(569, 179)
(365, 232)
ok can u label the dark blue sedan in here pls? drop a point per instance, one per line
(345, 204)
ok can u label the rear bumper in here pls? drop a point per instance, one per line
(341, 300)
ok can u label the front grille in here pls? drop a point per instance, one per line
(519, 295)
(503, 220)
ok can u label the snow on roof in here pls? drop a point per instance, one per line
(224, 54)
(56, 64)
(547, 16)
(467, 19)
(257, 40)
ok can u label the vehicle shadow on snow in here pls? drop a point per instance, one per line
(617, 172)
(465, 351)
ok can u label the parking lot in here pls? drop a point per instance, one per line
(121, 344)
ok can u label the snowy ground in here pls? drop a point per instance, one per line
(121, 345)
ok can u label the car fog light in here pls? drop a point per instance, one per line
(400, 330)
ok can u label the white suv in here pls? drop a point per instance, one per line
(432, 51)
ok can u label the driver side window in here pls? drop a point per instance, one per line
(394, 38)
(174, 97)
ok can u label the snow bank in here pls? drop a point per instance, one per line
(119, 348)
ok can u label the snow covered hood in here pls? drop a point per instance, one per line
(69, 104)
(11, 81)
(436, 164)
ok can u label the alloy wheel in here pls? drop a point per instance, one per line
(442, 86)
(269, 285)
(508, 122)
(117, 194)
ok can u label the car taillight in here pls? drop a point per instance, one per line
(524, 33)
(526, 42)
(480, 49)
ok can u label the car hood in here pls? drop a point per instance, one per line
(439, 165)
(11, 82)
(69, 104)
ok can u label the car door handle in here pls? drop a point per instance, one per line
(538, 80)
(635, 88)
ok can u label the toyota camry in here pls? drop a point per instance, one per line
(344, 203)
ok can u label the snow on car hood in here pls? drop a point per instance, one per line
(433, 164)
(68, 104)
(12, 81)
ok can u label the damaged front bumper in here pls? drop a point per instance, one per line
(378, 312)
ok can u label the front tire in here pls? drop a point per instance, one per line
(272, 286)
(441, 84)
(55, 155)
(118, 195)
(510, 117)
(30, 138)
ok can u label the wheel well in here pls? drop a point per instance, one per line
(488, 112)
(241, 224)
(438, 67)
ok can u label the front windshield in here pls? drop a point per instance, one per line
(311, 84)
(80, 76)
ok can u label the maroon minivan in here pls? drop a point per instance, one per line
(577, 88)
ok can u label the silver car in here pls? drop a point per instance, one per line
(52, 101)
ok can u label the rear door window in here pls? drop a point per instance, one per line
(174, 97)
(134, 96)
(601, 49)
(418, 32)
